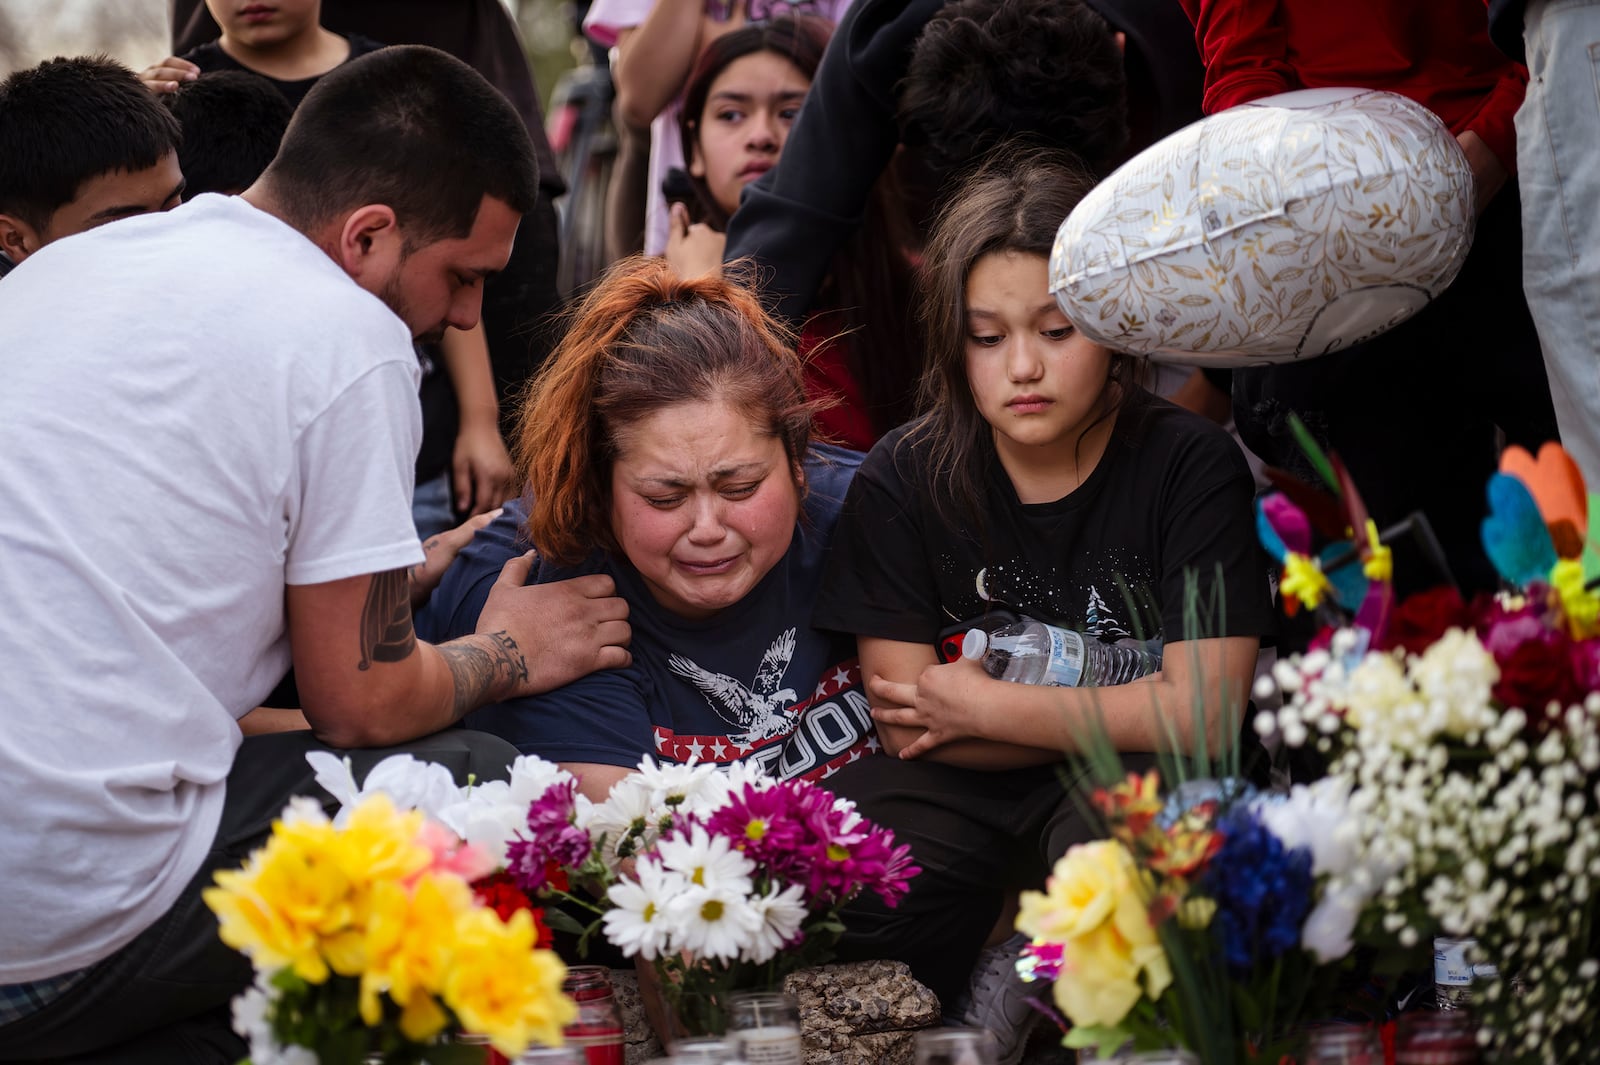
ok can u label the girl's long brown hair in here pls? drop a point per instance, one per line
(1014, 203)
(643, 340)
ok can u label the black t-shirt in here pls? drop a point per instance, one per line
(1170, 497)
(210, 57)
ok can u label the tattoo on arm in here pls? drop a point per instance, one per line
(428, 548)
(386, 632)
(479, 670)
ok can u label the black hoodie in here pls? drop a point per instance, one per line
(793, 220)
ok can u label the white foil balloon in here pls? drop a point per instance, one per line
(1283, 229)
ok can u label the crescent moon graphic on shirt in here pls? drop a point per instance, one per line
(980, 582)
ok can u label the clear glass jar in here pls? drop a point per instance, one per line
(704, 1050)
(597, 1030)
(764, 1027)
(562, 1055)
(534, 1055)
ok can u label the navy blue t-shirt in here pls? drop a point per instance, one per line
(756, 682)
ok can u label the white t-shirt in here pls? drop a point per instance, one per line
(198, 409)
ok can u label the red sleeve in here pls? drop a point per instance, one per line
(1242, 44)
(1494, 120)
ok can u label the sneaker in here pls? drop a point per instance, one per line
(997, 999)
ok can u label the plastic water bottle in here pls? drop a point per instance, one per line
(1031, 652)
(1455, 973)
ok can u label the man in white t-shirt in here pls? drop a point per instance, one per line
(209, 424)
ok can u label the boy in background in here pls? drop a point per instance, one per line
(284, 42)
(463, 468)
(81, 144)
(232, 122)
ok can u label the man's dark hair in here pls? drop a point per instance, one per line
(987, 71)
(232, 122)
(410, 127)
(66, 121)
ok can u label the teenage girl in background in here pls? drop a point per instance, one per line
(860, 348)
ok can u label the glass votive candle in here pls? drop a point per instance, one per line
(956, 1046)
(704, 1050)
(597, 1029)
(764, 1028)
(534, 1055)
(562, 1055)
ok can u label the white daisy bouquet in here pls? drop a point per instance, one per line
(723, 878)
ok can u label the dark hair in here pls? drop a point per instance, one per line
(800, 40)
(870, 280)
(66, 121)
(985, 71)
(410, 127)
(641, 341)
(232, 122)
(1014, 203)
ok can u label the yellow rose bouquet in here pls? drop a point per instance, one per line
(369, 945)
(1207, 921)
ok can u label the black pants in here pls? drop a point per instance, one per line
(1413, 412)
(164, 997)
(978, 836)
(522, 308)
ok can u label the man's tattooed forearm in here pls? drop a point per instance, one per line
(386, 632)
(480, 666)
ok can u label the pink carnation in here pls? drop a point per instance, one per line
(796, 834)
(552, 840)
(450, 855)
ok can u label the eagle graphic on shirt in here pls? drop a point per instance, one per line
(759, 708)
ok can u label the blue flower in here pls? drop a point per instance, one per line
(1262, 891)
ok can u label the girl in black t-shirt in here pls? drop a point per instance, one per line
(1042, 477)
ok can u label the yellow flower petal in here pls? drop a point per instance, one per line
(501, 987)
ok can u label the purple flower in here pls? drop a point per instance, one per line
(552, 841)
(795, 833)
(1262, 891)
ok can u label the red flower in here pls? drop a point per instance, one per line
(1419, 621)
(1535, 672)
(1586, 664)
(501, 894)
(545, 938)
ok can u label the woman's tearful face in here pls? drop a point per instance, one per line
(703, 503)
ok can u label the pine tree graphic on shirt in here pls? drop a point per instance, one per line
(759, 708)
(1098, 620)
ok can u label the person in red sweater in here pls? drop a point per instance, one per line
(1414, 412)
(1438, 54)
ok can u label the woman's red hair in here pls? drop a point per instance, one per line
(643, 340)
